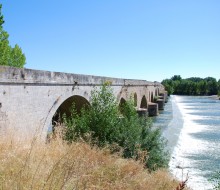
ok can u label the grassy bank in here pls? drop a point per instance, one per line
(34, 164)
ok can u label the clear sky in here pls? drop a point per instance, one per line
(139, 39)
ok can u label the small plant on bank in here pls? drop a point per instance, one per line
(107, 126)
(219, 94)
(215, 180)
(156, 98)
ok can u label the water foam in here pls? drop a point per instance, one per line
(185, 154)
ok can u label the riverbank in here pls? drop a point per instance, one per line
(34, 164)
(216, 97)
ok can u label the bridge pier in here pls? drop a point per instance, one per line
(160, 101)
(153, 109)
(142, 112)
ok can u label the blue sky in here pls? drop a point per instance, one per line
(139, 39)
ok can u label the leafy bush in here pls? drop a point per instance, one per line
(106, 125)
(99, 120)
(156, 98)
(215, 180)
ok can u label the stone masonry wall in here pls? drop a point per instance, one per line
(30, 98)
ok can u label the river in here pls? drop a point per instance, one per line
(192, 126)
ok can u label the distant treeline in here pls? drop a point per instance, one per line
(192, 86)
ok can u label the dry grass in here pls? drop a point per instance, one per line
(34, 164)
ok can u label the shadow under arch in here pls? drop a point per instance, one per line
(65, 107)
(156, 92)
(152, 97)
(135, 99)
(143, 102)
(121, 104)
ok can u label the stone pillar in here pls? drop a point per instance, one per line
(142, 112)
(160, 103)
(162, 96)
(153, 109)
(166, 96)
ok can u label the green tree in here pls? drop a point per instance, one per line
(203, 87)
(4, 48)
(212, 86)
(176, 87)
(1, 16)
(219, 87)
(168, 84)
(192, 86)
(106, 125)
(100, 119)
(194, 79)
(176, 77)
(9, 56)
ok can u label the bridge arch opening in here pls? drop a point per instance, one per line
(152, 97)
(143, 102)
(65, 107)
(135, 99)
(121, 104)
(156, 94)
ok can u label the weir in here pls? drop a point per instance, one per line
(30, 99)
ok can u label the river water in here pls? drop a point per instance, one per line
(192, 126)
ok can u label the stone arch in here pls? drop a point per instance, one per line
(65, 106)
(152, 97)
(121, 103)
(143, 102)
(135, 99)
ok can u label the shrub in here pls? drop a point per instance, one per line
(215, 180)
(156, 98)
(107, 126)
(144, 138)
(99, 120)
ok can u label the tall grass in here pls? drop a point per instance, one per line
(36, 164)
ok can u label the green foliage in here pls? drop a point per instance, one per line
(219, 87)
(168, 84)
(176, 78)
(215, 180)
(1, 17)
(99, 119)
(155, 98)
(105, 126)
(154, 144)
(191, 86)
(10, 56)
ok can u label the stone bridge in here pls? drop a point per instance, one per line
(30, 99)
